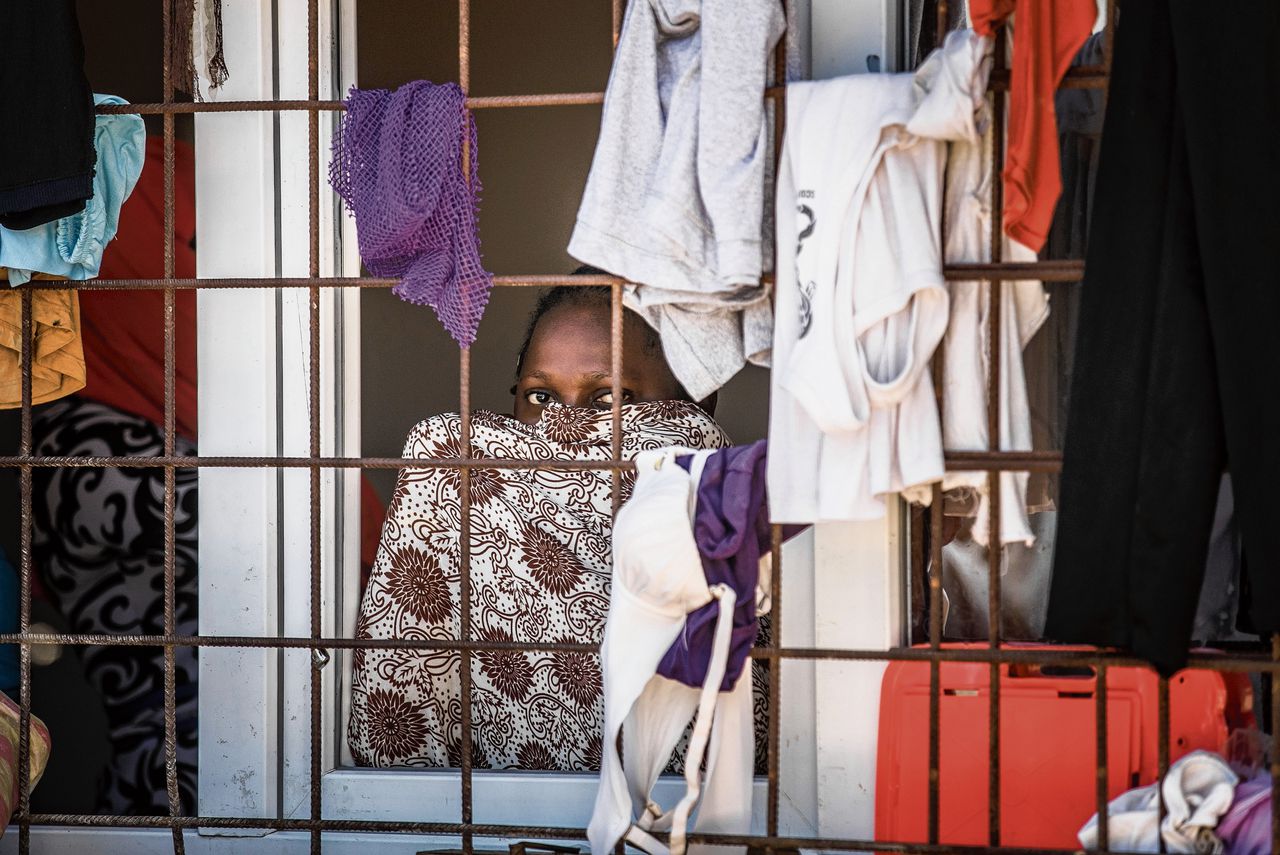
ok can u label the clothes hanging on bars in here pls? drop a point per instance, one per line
(1047, 357)
(72, 247)
(124, 329)
(58, 367)
(676, 193)
(398, 164)
(197, 55)
(1046, 36)
(731, 527)
(46, 158)
(861, 301)
(1024, 306)
(675, 634)
(1176, 319)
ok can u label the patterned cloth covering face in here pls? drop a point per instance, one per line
(540, 569)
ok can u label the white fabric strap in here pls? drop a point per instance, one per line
(678, 817)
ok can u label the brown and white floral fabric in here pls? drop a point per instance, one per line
(540, 567)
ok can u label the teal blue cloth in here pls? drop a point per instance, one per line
(73, 246)
(8, 623)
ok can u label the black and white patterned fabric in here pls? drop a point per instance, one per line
(99, 549)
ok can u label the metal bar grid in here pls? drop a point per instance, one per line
(993, 461)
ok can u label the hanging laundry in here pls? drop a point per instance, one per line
(196, 47)
(676, 643)
(539, 570)
(1047, 357)
(1024, 305)
(46, 155)
(58, 367)
(676, 195)
(861, 301)
(1046, 36)
(731, 527)
(1198, 790)
(398, 164)
(124, 329)
(72, 246)
(1175, 333)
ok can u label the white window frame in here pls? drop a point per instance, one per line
(842, 583)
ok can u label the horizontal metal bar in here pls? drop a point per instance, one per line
(1082, 77)
(181, 462)
(475, 102)
(1003, 461)
(1237, 661)
(1066, 270)
(522, 831)
(523, 281)
(956, 461)
(556, 99)
(1047, 271)
(1076, 78)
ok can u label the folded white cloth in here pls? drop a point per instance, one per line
(1198, 791)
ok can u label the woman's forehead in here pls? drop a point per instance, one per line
(575, 340)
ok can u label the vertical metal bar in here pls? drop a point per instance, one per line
(317, 658)
(1162, 752)
(935, 666)
(617, 20)
(775, 685)
(1100, 731)
(995, 552)
(615, 370)
(774, 761)
(170, 552)
(24, 592)
(464, 480)
(935, 568)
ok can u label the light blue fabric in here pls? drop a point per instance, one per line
(72, 246)
(8, 623)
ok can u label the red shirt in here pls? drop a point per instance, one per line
(1046, 36)
(123, 331)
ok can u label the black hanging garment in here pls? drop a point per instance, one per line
(46, 150)
(1177, 368)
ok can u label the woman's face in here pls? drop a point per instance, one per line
(568, 363)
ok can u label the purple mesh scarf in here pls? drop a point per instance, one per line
(397, 163)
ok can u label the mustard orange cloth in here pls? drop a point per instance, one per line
(1046, 36)
(58, 368)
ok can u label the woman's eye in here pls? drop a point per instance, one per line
(605, 399)
(538, 397)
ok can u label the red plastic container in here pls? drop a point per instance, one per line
(1047, 746)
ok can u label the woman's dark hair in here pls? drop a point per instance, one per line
(576, 295)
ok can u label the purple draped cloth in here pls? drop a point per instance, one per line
(398, 164)
(731, 527)
(1246, 829)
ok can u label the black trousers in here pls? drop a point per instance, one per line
(1177, 370)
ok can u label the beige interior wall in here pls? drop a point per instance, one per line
(533, 165)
